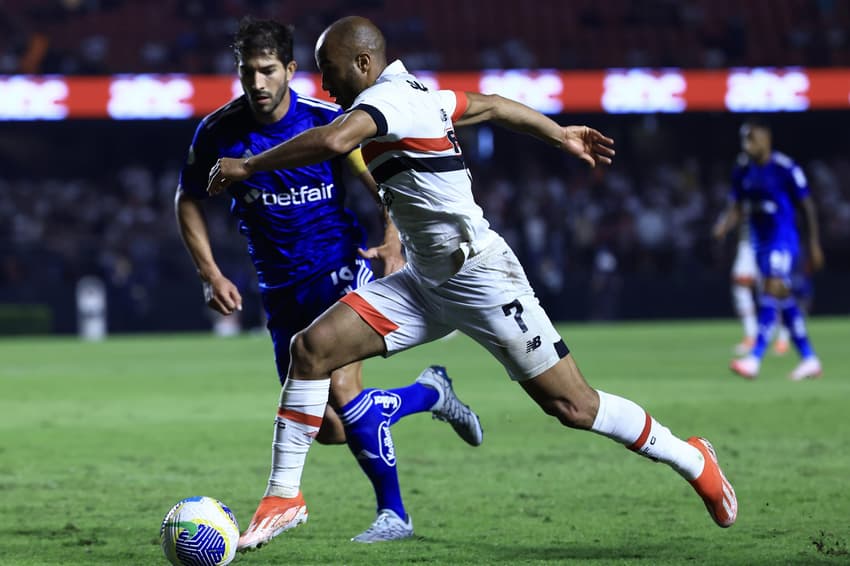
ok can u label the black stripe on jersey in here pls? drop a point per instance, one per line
(377, 116)
(402, 163)
(561, 349)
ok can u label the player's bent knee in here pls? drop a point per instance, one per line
(306, 356)
(777, 288)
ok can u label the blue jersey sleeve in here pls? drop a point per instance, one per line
(798, 184)
(201, 157)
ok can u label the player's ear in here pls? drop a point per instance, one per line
(363, 61)
(290, 69)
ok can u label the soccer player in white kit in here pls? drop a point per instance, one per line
(460, 273)
(744, 279)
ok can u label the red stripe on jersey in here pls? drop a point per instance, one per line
(381, 324)
(461, 104)
(298, 417)
(644, 435)
(373, 149)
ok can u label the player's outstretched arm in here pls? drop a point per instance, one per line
(220, 293)
(585, 143)
(727, 221)
(813, 247)
(311, 146)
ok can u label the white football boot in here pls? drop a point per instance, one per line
(747, 367)
(449, 408)
(386, 527)
(809, 368)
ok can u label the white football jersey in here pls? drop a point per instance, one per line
(418, 165)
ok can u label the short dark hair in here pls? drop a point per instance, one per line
(757, 122)
(257, 36)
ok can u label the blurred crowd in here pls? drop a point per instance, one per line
(649, 215)
(86, 197)
(185, 36)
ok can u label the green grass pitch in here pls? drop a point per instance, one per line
(98, 440)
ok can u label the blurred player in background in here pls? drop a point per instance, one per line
(306, 248)
(745, 285)
(460, 273)
(771, 187)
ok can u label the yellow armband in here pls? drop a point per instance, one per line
(356, 162)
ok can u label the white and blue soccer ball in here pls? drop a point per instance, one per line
(199, 531)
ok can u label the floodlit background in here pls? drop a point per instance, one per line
(100, 100)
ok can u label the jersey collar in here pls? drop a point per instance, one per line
(394, 68)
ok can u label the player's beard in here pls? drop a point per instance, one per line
(268, 108)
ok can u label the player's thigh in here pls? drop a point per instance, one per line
(400, 311)
(293, 308)
(494, 304)
(338, 337)
(776, 266)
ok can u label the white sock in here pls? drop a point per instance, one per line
(745, 306)
(302, 406)
(627, 423)
(782, 334)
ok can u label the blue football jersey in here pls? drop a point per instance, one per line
(770, 192)
(295, 220)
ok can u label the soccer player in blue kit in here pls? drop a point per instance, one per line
(774, 187)
(307, 251)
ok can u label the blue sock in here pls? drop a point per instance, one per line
(767, 316)
(793, 319)
(369, 439)
(398, 403)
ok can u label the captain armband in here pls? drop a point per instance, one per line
(356, 162)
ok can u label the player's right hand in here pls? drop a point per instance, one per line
(222, 296)
(227, 170)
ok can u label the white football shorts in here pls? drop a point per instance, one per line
(489, 299)
(744, 270)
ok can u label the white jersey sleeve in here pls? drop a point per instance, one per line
(454, 102)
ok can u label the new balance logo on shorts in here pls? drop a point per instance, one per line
(532, 344)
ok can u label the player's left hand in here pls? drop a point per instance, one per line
(226, 170)
(389, 253)
(587, 144)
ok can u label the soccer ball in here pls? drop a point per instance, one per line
(199, 531)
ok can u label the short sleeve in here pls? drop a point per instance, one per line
(454, 102)
(798, 182)
(200, 158)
